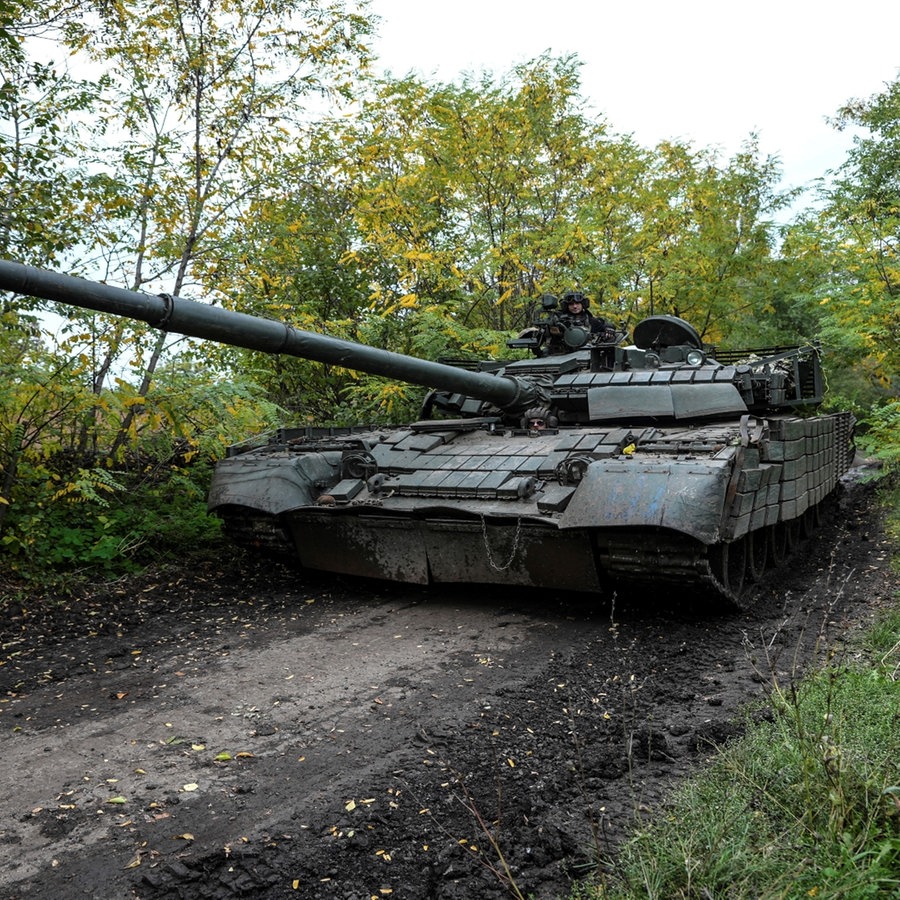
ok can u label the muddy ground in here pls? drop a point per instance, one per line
(240, 730)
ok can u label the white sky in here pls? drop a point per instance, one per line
(699, 70)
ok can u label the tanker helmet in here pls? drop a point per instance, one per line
(575, 297)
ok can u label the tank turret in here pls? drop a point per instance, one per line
(596, 464)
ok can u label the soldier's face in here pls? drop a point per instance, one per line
(575, 306)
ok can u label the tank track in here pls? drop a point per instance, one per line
(258, 533)
(727, 570)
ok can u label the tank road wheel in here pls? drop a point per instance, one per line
(809, 522)
(728, 564)
(784, 540)
(778, 543)
(757, 553)
(792, 535)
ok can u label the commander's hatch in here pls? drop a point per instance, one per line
(657, 332)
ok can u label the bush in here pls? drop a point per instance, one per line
(97, 522)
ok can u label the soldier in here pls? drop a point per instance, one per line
(573, 313)
(574, 307)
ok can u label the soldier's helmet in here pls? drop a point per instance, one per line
(574, 297)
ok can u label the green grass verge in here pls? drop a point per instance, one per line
(806, 804)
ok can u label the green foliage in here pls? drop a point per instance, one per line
(42, 212)
(881, 437)
(63, 506)
(856, 238)
(431, 223)
(104, 523)
(477, 197)
(190, 118)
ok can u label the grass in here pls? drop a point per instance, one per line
(806, 804)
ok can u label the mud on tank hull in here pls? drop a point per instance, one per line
(572, 508)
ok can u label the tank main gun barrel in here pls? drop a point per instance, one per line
(188, 317)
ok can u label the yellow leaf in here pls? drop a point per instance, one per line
(135, 862)
(117, 800)
(187, 836)
(190, 787)
(350, 805)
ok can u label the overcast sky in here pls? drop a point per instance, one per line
(707, 71)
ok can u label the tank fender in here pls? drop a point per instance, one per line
(686, 496)
(272, 484)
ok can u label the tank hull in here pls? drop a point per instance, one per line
(576, 508)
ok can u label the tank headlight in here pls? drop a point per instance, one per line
(696, 358)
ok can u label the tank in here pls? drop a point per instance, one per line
(597, 466)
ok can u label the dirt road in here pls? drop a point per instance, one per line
(241, 731)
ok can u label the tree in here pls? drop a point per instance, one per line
(204, 99)
(198, 101)
(847, 252)
(409, 227)
(707, 239)
(863, 211)
(472, 199)
(42, 112)
(442, 212)
(468, 194)
(290, 258)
